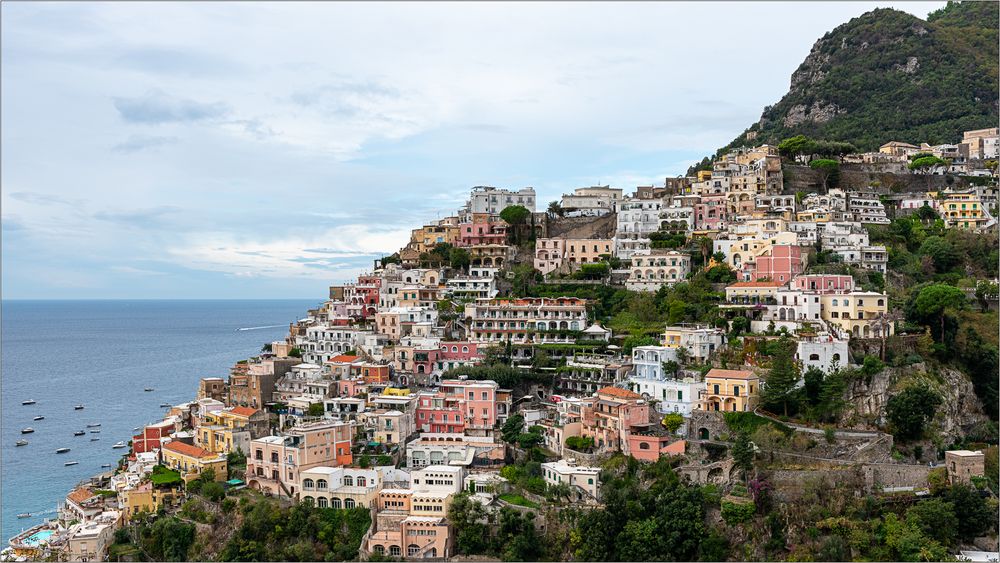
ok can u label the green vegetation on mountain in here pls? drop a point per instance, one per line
(888, 75)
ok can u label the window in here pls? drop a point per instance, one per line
(307, 484)
(322, 502)
(362, 482)
(715, 389)
(321, 484)
(335, 503)
(348, 503)
(348, 481)
(644, 445)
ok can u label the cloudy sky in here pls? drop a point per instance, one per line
(194, 150)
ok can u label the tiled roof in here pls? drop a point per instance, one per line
(80, 495)
(343, 358)
(730, 373)
(756, 284)
(188, 450)
(244, 411)
(619, 392)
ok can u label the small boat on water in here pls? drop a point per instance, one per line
(21, 443)
(165, 405)
(39, 418)
(119, 445)
(94, 425)
(94, 439)
(27, 430)
(68, 463)
(79, 433)
(106, 466)
(78, 408)
(28, 402)
(95, 431)
(62, 450)
(24, 515)
(148, 389)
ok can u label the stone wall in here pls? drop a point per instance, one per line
(854, 177)
(582, 227)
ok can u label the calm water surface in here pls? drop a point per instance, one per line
(102, 354)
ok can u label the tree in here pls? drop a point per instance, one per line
(986, 291)
(813, 385)
(911, 409)
(828, 170)
(705, 245)
(797, 146)
(779, 390)
(511, 429)
(941, 252)
(295, 353)
(316, 409)
(672, 422)
(213, 491)
(932, 304)
(743, 453)
(936, 519)
(671, 367)
(472, 535)
(516, 216)
(739, 325)
(555, 209)
(926, 163)
(974, 515)
(459, 258)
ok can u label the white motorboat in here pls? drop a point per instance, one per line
(62, 450)
(79, 433)
(78, 408)
(94, 425)
(27, 430)
(28, 402)
(119, 445)
(68, 463)
(39, 418)
(22, 443)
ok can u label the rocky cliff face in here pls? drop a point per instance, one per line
(888, 75)
(960, 412)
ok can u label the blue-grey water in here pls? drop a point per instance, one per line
(102, 354)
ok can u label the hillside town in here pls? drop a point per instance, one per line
(738, 324)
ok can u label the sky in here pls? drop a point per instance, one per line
(259, 150)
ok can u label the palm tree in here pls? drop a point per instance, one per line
(555, 209)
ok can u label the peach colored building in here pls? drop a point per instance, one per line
(553, 253)
(274, 462)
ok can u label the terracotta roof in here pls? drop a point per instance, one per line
(342, 358)
(188, 450)
(730, 373)
(756, 284)
(619, 392)
(244, 411)
(80, 495)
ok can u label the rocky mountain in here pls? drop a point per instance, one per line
(888, 75)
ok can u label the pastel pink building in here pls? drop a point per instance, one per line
(710, 213)
(649, 447)
(456, 353)
(458, 405)
(481, 230)
(274, 462)
(824, 283)
(780, 263)
(362, 298)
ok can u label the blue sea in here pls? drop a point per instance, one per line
(103, 354)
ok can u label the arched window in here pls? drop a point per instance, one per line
(465, 348)
(454, 348)
(394, 551)
(362, 482)
(644, 445)
(836, 357)
(322, 502)
(348, 481)
(307, 499)
(307, 484)
(813, 357)
(412, 549)
(335, 503)
(348, 503)
(321, 484)
(380, 549)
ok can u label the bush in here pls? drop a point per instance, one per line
(213, 491)
(737, 513)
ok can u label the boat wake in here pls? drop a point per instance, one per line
(258, 327)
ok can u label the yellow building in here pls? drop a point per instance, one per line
(962, 210)
(752, 292)
(704, 175)
(730, 390)
(147, 498)
(817, 215)
(859, 313)
(427, 237)
(396, 392)
(191, 461)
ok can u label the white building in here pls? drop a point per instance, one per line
(701, 341)
(636, 219)
(595, 201)
(671, 395)
(479, 283)
(823, 351)
(445, 478)
(487, 199)
(576, 476)
(648, 361)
